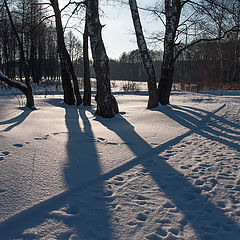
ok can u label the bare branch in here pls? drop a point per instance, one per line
(40, 22)
(73, 12)
(70, 3)
(233, 29)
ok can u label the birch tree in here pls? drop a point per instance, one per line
(87, 83)
(67, 70)
(146, 59)
(107, 105)
(189, 12)
(172, 13)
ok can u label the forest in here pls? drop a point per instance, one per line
(200, 46)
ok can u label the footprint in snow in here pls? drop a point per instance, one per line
(2, 190)
(5, 153)
(154, 144)
(17, 145)
(153, 236)
(214, 182)
(141, 197)
(168, 205)
(183, 167)
(199, 182)
(118, 181)
(221, 204)
(206, 188)
(1, 158)
(121, 179)
(101, 139)
(112, 143)
(108, 193)
(45, 137)
(175, 231)
(141, 217)
(160, 231)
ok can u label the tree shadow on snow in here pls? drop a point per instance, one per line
(82, 207)
(88, 215)
(16, 120)
(210, 125)
(197, 209)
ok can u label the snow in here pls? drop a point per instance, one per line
(168, 173)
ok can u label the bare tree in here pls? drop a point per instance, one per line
(183, 17)
(172, 13)
(87, 83)
(22, 87)
(28, 90)
(146, 59)
(106, 103)
(67, 69)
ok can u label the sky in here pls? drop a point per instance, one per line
(118, 32)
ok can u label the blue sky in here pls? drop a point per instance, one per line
(118, 32)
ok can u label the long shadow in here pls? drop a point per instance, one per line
(88, 214)
(197, 209)
(222, 120)
(15, 121)
(84, 200)
(186, 197)
(188, 117)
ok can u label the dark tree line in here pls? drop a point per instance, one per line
(38, 39)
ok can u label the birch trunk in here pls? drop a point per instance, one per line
(107, 105)
(146, 59)
(67, 70)
(172, 12)
(87, 83)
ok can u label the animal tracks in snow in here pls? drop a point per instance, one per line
(18, 145)
(3, 154)
(176, 194)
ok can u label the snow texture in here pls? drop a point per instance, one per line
(168, 173)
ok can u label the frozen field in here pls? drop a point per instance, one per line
(168, 173)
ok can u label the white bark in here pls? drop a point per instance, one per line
(106, 103)
(142, 46)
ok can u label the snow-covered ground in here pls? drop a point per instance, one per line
(168, 173)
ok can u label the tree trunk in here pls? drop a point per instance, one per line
(87, 83)
(74, 78)
(23, 88)
(167, 73)
(146, 59)
(172, 12)
(67, 70)
(106, 103)
(26, 70)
